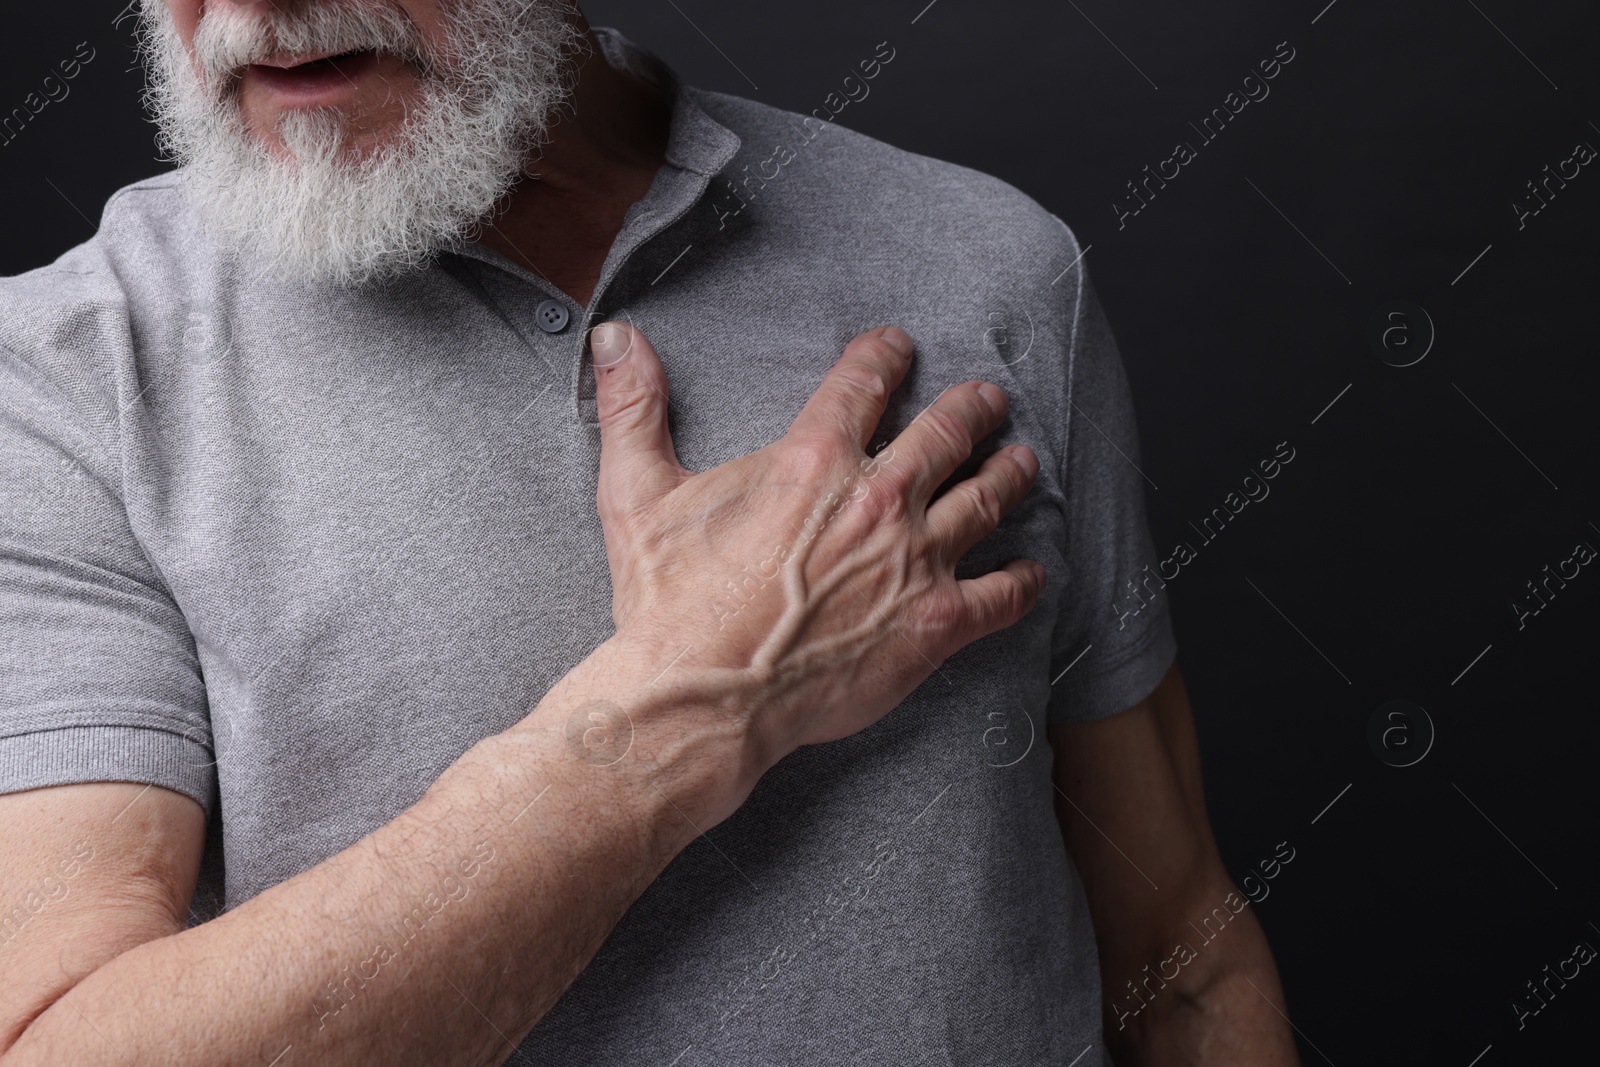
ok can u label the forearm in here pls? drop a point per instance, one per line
(444, 935)
(1223, 1008)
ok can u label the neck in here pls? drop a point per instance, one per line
(601, 156)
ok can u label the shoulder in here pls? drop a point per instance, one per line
(150, 220)
(145, 231)
(67, 328)
(949, 208)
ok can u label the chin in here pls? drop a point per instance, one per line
(364, 127)
(359, 140)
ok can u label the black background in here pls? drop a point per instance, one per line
(1418, 504)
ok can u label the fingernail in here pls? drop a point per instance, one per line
(1039, 572)
(1026, 460)
(609, 343)
(898, 339)
(993, 396)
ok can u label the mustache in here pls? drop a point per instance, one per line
(228, 39)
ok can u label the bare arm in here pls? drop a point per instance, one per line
(1134, 779)
(444, 935)
(75, 851)
(388, 951)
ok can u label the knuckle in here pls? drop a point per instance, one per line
(945, 615)
(985, 500)
(1015, 485)
(882, 498)
(1019, 598)
(626, 408)
(809, 458)
(950, 430)
(1005, 600)
(860, 379)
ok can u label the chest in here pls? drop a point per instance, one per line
(387, 554)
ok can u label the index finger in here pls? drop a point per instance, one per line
(855, 392)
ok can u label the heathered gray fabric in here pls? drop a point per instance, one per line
(291, 551)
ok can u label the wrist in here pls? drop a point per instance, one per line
(696, 726)
(641, 718)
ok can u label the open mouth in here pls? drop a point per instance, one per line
(314, 77)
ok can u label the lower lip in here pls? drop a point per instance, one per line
(312, 83)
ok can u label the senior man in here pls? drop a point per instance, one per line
(340, 726)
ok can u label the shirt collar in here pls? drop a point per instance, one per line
(698, 148)
(696, 142)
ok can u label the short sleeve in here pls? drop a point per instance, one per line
(1113, 637)
(99, 680)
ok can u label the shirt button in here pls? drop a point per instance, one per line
(552, 316)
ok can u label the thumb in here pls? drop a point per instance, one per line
(637, 460)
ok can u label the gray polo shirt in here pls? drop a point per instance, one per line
(292, 550)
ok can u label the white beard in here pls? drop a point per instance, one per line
(325, 214)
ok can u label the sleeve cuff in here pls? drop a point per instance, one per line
(1089, 690)
(75, 754)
